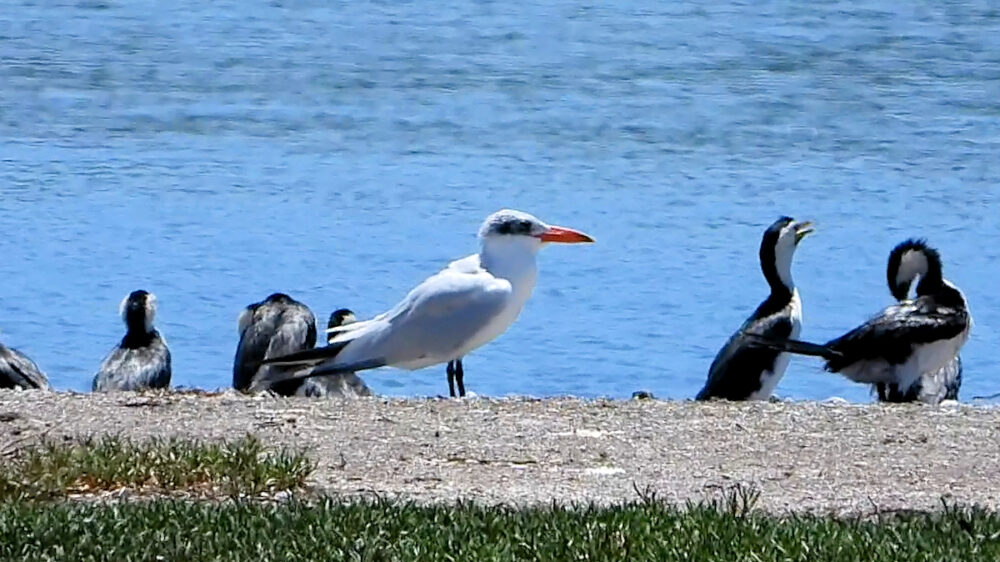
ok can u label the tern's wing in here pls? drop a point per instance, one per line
(17, 370)
(429, 325)
(466, 265)
(435, 320)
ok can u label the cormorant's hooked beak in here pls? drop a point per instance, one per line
(803, 229)
(563, 235)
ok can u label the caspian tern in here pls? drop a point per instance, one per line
(464, 306)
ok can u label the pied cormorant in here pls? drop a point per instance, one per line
(142, 360)
(741, 370)
(934, 386)
(18, 371)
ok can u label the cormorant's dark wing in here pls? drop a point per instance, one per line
(892, 334)
(255, 337)
(735, 372)
(136, 368)
(271, 332)
(18, 371)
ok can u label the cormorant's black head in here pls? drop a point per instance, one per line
(777, 247)
(138, 311)
(279, 298)
(911, 259)
(340, 317)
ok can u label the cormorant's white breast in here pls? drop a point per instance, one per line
(906, 262)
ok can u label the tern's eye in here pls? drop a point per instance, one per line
(525, 227)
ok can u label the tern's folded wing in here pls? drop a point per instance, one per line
(435, 319)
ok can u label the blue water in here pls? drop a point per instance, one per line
(214, 152)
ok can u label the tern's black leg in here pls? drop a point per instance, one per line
(451, 378)
(460, 377)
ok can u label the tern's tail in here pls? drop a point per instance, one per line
(307, 357)
(794, 346)
(281, 373)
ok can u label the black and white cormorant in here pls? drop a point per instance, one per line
(338, 318)
(932, 387)
(741, 370)
(18, 371)
(906, 340)
(277, 326)
(142, 360)
(344, 384)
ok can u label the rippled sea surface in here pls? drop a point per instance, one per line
(215, 152)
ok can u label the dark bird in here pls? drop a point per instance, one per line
(906, 340)
(932, 387)
(142, 360)
(742, 370)
(338, 318)
(277, 326)
(18, 371)
(344, 384)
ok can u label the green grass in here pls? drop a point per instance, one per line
(38, 523)
(328, 529)
(243, 467)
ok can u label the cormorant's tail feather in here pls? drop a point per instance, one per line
(794, 346)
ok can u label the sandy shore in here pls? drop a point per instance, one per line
(802, 456)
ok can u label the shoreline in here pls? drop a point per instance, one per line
(819, 457)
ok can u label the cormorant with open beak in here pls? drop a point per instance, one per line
(741, 370)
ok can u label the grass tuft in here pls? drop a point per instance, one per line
(328, 529)
(243, 467)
